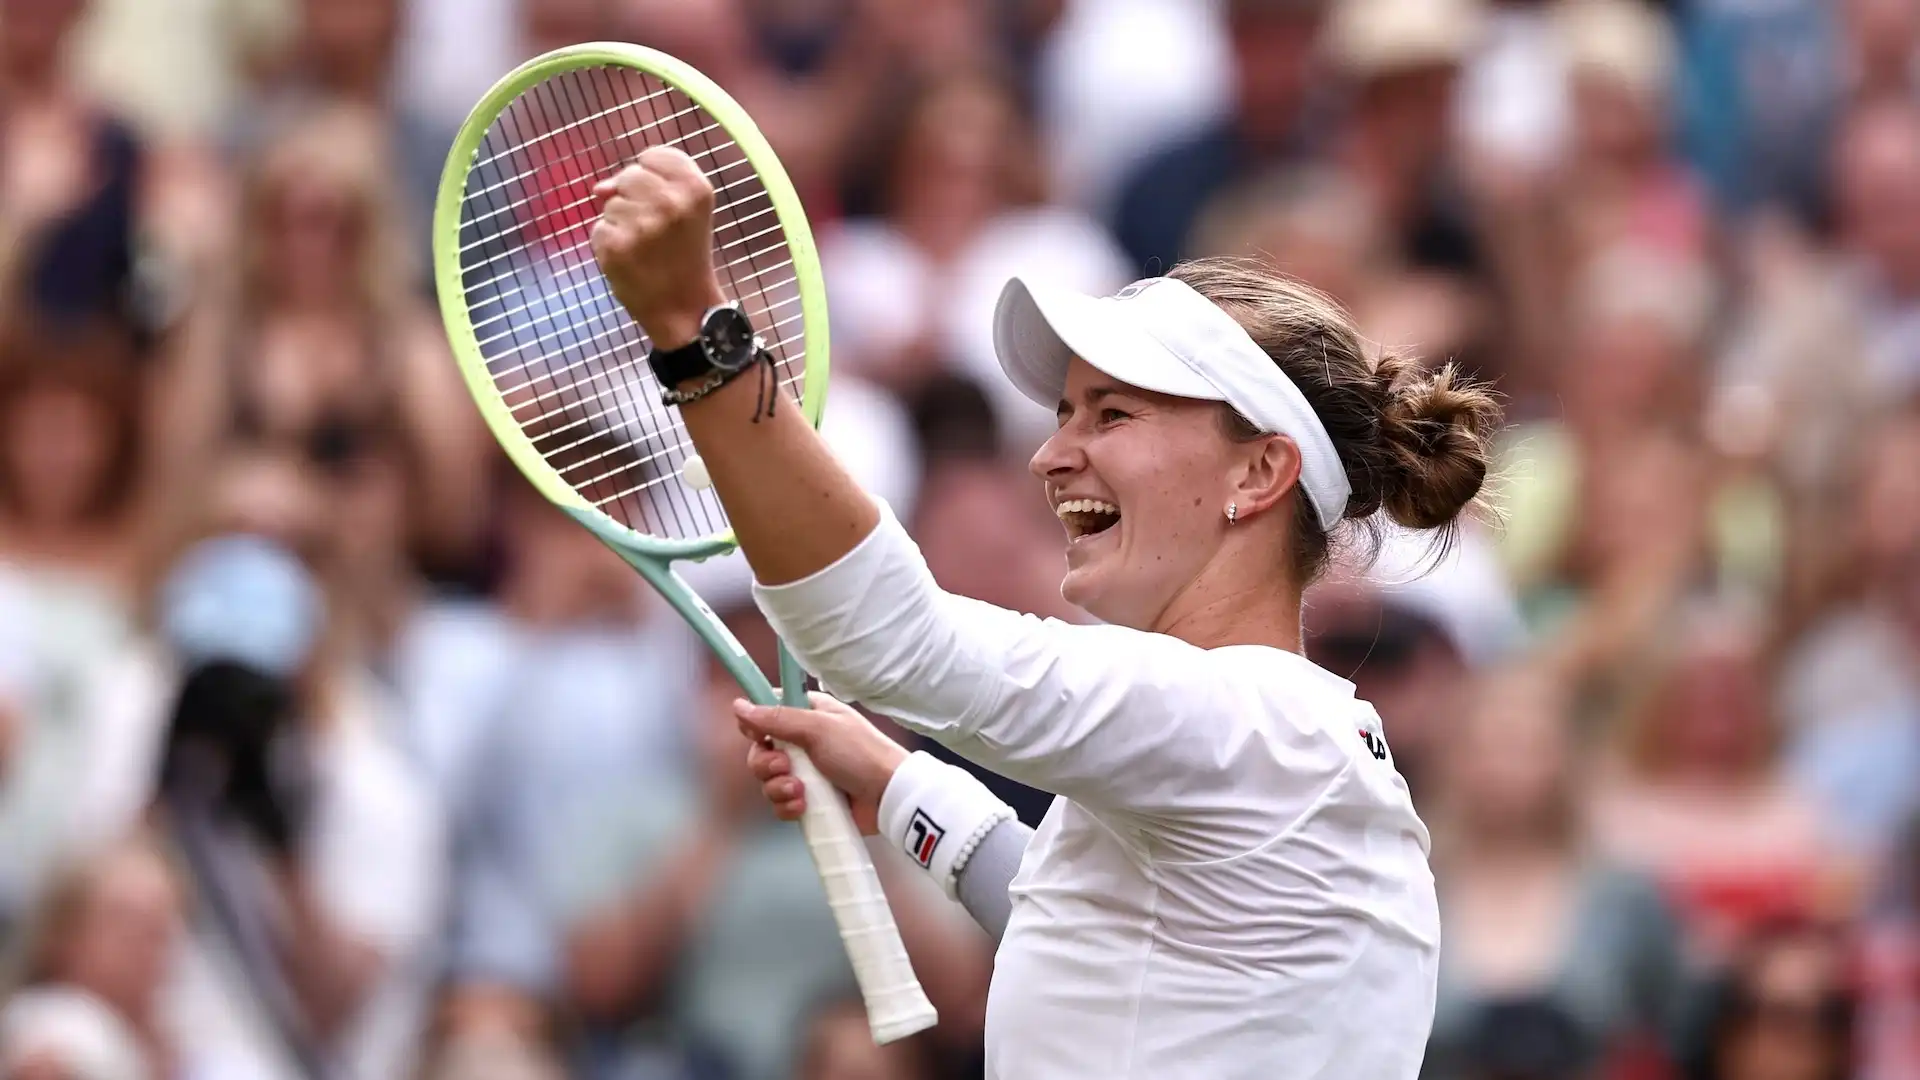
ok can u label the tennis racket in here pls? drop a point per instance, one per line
(559, 370)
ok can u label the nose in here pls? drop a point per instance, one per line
(1059, 457)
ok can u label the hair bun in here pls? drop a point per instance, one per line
(1437, 427)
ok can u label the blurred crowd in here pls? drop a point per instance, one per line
(329, 749)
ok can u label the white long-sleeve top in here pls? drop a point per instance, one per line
(1233, 882)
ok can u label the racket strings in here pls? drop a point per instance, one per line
(585, 242)
(566, 359)
(587, 301)
(565, 186)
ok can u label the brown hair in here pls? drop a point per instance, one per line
(343, 148)
(1415, 443)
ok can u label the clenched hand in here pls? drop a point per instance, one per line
(654, 243)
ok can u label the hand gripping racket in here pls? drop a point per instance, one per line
(559, 370)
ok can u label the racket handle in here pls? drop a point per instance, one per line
(896, 1005)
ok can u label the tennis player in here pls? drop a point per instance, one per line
(1232, 882)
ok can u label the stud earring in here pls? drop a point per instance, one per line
(1233, 512)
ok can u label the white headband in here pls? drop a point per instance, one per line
(1161, 335)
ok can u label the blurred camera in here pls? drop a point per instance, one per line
(242, 615)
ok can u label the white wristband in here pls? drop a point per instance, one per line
(937, 814)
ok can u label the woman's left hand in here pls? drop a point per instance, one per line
(849, 751)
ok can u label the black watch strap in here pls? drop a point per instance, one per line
(675, 366)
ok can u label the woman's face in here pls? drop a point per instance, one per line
(952, 168)
(1714, 712)
(122, 938)
(1511, 761)
(58, 446)
(316, 230)
(1155, 470)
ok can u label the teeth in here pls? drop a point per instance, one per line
(1086, 506)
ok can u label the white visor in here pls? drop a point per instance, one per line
(1161, 335)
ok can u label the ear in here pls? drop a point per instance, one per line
(1269, 469)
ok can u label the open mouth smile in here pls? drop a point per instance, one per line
(1086, 517)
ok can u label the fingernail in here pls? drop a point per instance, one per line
(745, 709)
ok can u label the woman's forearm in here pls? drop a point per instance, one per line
(794, 508)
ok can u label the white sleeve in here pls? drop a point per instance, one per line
(1110, 717)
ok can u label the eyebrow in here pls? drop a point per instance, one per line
(1094, 397)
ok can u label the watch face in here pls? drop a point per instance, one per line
(728, 337)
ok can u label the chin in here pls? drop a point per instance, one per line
(1091, 594)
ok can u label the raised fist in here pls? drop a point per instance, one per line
(654, 242)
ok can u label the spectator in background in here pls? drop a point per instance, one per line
(92, 995)
(1101, 110)
(1311, 224)
(75, 430)
(1400, 661)
(958, 210)
(341, 52)
(71, 182)
(1696, 796)
(1620, 182)
(1877, 200)
(330, 340)
(1514, 113)
(1273, 120)
(1784, 1011)
(92, 489)
(1856, 516)
(322, 825)
(1532, 915)
(1400, 61)
(1600, 548)
(1859, 753)
(534, 716)
(1602, 178)
(1760, 84)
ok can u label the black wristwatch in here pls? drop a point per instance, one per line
(726, 347)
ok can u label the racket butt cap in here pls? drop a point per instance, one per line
(905, 1022)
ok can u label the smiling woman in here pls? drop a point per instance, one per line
(1233, 882)
(1154, 396)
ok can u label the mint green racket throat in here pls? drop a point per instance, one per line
(558, 370)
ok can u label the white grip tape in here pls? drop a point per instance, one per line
(896, 1005)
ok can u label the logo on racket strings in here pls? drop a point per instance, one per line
(923, 838)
